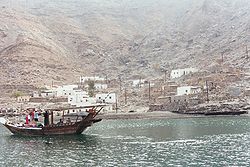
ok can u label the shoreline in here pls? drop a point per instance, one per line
(155, 115)
(159, 115)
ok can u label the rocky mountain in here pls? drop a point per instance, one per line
(43, 41)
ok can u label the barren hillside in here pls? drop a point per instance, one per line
(43, 41)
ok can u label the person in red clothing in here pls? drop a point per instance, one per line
(92, 110)
(27, 119)
(32, 115)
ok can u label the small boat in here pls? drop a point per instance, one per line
(81, 123)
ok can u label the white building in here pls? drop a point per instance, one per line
(80, 98)
(180, 72)
(187, 90)
(96, 78)
(138, 83)
(100, 86)
(35, 94)
(21, 99)
(48, 93)
(109, 98)
(58, 91)
(65, 90)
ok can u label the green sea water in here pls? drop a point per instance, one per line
(213, 141)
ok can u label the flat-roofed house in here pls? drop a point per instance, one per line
(180, 72)
(187, 90)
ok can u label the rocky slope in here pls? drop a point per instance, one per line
(44, 41)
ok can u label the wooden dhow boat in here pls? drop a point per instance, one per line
(81, 123)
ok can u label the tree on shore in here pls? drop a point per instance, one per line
(17, 94)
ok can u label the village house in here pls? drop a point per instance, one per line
(138, 83)
(80, 98)
(65, 90)
(100, 86)
(95, 78)
(36, 94)
(71, 95)
(106, 98)
(22, 99)
(57, 91)
(187, 90)
(53, 94)
(170, 88)
(180, 72)
(48, 93)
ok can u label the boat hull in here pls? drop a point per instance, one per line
(24, 131)
(54, 129)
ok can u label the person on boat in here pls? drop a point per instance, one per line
(91, 110)
(39, 124)
(27, 119)
(32, 114)
(36, 116)
(60, 122)
(68, 120)
(46, 118)
(32, 124)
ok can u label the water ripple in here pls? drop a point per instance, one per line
(192, 142)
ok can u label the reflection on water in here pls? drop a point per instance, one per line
(220, 141)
